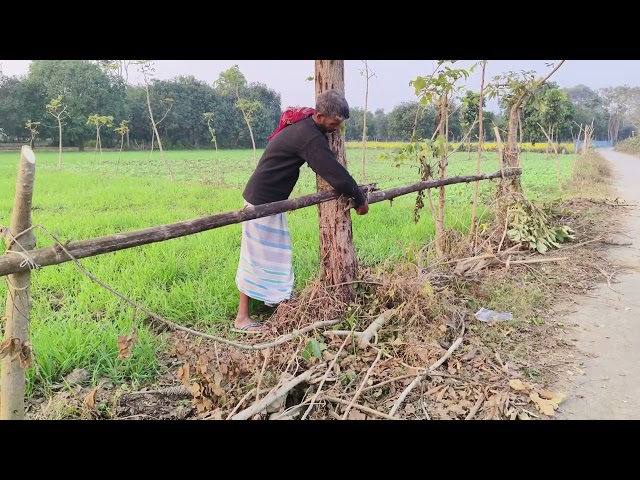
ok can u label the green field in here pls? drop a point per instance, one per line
(190, 280)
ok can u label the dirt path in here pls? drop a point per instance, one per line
(607, 323)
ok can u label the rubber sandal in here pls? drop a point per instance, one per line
(245, 329)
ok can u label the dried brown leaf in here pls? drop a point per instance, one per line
(183, 374)
(25, 356)
(90, 398)
(196, 389)
(356, 415)
(126, 343)
(517, 384)
(8, 346)
(547, 407)
(217, 390)
(433, 390)
(470, 356)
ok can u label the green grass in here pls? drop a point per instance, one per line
(190, 280)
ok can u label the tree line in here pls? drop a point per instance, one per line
(86, 104)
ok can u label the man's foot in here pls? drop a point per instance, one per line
(246, 325)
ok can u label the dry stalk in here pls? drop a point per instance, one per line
(324, 377)
(360, 407)
(362, 384)
(272, 397)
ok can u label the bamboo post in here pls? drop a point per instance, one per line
(15, 349)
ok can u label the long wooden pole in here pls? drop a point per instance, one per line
(15, 349)
(43, 257)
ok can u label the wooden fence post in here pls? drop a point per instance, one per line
(15, 349)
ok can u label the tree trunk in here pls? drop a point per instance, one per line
(338, 262)
(155, 130)
(512, 159)
(60, 145)
(16, 335)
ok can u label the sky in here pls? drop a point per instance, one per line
(389, 85)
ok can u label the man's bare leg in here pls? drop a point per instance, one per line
(243, 318)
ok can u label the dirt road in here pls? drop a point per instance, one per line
(608, 323)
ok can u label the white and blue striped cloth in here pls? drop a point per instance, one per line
(265, 270)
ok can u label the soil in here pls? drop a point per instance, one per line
(605, 324)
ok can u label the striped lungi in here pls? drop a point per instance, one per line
(265, 270)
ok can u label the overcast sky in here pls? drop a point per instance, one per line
(390, 85)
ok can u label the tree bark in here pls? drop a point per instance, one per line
(16, 335)
(338, 262)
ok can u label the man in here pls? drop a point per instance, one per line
(265, 270)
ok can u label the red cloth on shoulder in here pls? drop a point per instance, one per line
(292, 115)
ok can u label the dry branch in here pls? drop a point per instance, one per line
(362, 384)
(324, 378)
(367, 335)
(475, 408)
(110, 243)
(272, 397)
(360, 407)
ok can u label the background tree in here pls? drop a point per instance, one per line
(147, 69)
(32, 127)
(232, 81)
(367, 74)
(99, 121)
(58, 109)
(122, 130)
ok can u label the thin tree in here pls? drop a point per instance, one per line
(99, 121)
(58, 109)
(368, 74)
(208, 116)
(33, 132)
(474, 212)
(148, 70)
(232, 80)
(167, 103)
(514, 91)
(438, 89)
(122, 130)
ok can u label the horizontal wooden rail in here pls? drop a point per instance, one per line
(14, 262)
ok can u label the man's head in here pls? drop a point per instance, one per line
(331, 110)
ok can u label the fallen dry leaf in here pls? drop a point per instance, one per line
(517, 384)
(181, 348)
(90, 399)
(546, 407)
(183, 374)
(195, 389)
(356, 415)
(126, 343)
(217, 390)
(423, 354)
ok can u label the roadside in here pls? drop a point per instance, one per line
(604, 325)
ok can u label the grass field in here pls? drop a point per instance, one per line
(190, 280)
